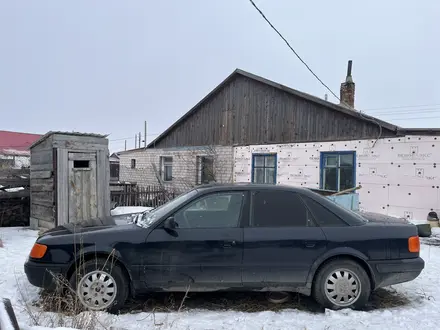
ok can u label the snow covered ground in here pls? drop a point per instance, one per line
(416, 304)
(121, 210)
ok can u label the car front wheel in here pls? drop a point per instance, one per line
(342, 284)
(100, 285)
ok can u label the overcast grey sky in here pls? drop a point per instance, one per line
(106, 66)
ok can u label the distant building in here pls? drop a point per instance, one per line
(114, 167)
(250, 129)
(14, 149)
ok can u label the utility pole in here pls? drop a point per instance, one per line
(125, 146)
(135, 141)
(145, 134)
(140, 138)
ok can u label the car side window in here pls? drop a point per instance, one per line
(277, 208)
(322, 216)
(218, 210)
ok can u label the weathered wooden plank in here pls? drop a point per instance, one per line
(41, 174)
(48, 224)
(15, 194)
(46, 144)
(44, 195)
(72, 214)
(103, 179)
(82, 155)
(42, 167)
(42, 212)
(10, 172)
(62, 193)
(79, 139)
(42, 201)
(14, 182)
(41, 157)
(79, 146)
(92, 195)
(41, 185)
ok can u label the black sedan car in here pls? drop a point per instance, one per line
(231, 237)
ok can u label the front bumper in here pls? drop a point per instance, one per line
(389, 272)
(42, 275)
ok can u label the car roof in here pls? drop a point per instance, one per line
(250, 186)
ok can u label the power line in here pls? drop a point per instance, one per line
(127, 138)
(409, 111)
(313, 73)
(414, 118)
(293, 50)
(404, 106)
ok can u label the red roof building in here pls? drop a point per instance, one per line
(15, 143)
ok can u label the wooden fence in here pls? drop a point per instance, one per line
(150, 196)
(14, 197)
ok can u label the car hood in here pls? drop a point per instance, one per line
(107, 224)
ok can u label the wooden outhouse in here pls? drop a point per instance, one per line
(70, 178)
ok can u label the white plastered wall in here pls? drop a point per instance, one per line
(19, 161)
(399, 176)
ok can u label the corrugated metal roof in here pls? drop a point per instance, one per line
(16, 142)
(50, 133)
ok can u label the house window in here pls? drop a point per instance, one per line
(133, 163)
(206, 169)
(338, 170)
(6, 163)
(114, 171)
(167, 168)
(264, 168)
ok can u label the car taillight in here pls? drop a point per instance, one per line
(414, 244)
(38, 251)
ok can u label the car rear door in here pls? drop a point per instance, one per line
(281, 240)
(206, 249)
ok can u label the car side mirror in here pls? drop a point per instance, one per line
(170, 224)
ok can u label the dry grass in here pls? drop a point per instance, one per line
(218, 301)
(64, 307)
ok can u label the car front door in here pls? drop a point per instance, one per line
(281, 241)
(205, 250)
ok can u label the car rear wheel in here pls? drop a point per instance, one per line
(100, 285)
(342, 284)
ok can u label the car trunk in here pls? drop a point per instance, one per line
(378, 217)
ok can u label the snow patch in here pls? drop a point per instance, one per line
(122, 210)
(5, 323)
(420, 310)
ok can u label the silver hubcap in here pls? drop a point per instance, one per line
(97, 290)
(342, 287)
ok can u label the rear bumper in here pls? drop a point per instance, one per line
(42, 275)
(389, 272)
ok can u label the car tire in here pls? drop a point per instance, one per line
(100, 274)
(342, 278)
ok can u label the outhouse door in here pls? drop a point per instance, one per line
(82, 186)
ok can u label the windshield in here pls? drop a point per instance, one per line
(150, 217)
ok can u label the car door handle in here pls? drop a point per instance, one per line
(229, 244)
(309, 244)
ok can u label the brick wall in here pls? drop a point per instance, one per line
(184, 165)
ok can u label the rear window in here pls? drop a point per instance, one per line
(322, 216)
(352, 218)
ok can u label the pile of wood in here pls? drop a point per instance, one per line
(14, 197)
